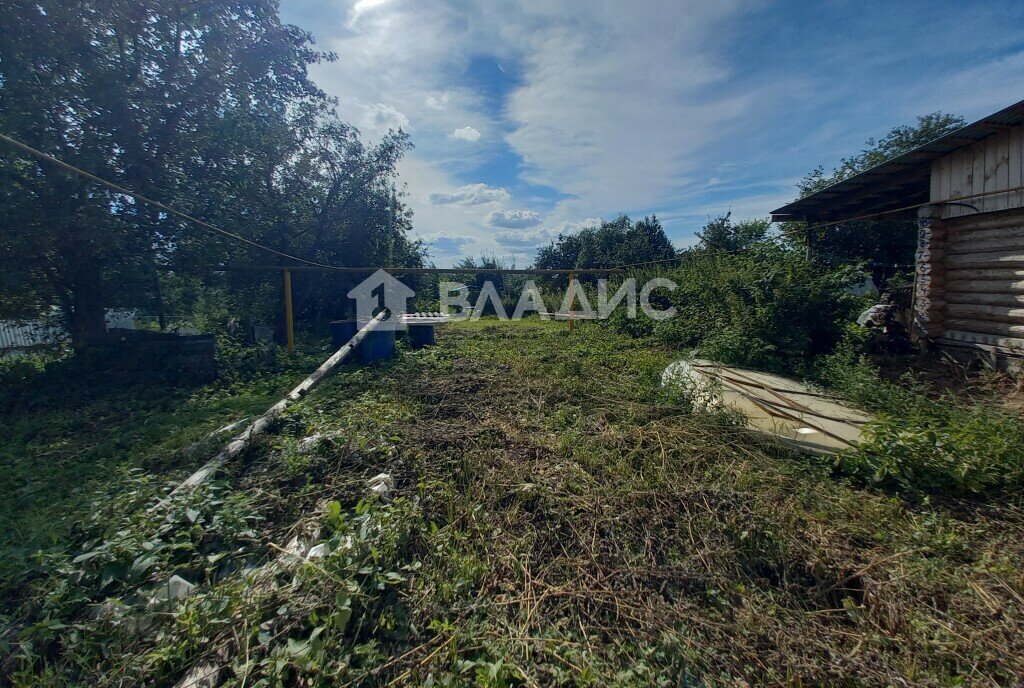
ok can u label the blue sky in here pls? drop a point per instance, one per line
(534, 117)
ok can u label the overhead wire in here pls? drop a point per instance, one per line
(953, 200)
(149, 201)
(237, 237)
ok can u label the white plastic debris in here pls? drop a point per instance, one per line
(381, 485)
(874, 316)
(318, 551)
(299, 545)
(308, 444)
(296, 547)
(205, 675)
(176, 588)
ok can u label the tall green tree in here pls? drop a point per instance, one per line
(619, 242)
(885, 245)
(307, 185)
(139, 92)
(722, 234)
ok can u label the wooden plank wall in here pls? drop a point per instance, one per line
(995, 163)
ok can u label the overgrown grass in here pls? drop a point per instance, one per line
(67, 435)
(770, 309)
(556, 519)
(923, 443)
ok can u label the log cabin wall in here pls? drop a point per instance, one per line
(970, 279)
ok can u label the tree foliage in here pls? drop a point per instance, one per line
(766, 307)
(619, 242)
(898, 141)
(885, 245)
(722, 234)
(206, 106)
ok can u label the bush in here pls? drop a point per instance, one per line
(767, 307)
(923, 444)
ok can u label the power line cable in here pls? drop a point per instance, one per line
(157, 204)
(952, 200)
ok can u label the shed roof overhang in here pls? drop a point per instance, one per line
(897, 183)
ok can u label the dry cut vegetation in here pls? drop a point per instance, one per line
(556, 519)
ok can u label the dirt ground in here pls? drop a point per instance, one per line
(942, 373)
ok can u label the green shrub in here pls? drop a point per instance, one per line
(923, 444)
(766, 307)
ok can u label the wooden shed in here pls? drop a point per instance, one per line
(965, 189)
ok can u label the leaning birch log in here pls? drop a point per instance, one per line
(260, 425)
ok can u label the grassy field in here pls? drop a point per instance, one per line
(556, 518)
(66, 438)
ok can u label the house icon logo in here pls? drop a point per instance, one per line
(378, 287)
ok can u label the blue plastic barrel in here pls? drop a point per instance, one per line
(378, 345)
(342, 331)
(421, 336)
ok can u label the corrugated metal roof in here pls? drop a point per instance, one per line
(899, 182)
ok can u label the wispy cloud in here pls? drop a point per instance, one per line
(678, 108)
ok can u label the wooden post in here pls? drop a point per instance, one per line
(810, 241)
(289, 324)
(572, 296)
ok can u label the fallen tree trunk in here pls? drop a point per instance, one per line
(260, 425)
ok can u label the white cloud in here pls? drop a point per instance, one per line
(615, 127)
(530, 240)
(419, 76)
(443, 244)
(470, 194)
(379, 118)
(444, 225)
(466, 134)
(970, 89)
(513, 219)
(606, 126)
